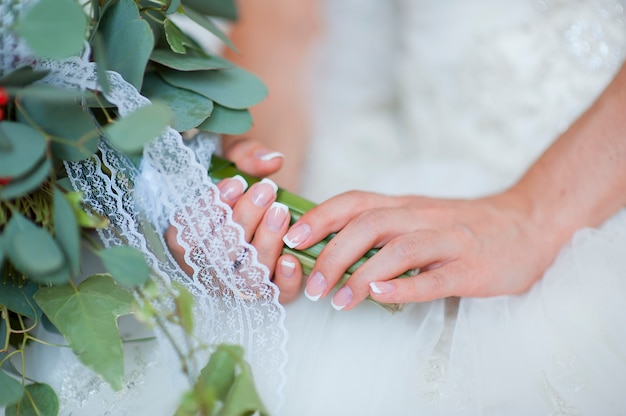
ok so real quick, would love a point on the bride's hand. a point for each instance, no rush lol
(481, 247)
(263, 220)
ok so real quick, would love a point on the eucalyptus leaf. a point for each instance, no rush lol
(19, 299)
(218, 8)
(132, 38)
(126, 264)
(11, 390)
(26, 147)
(32, 250)
(26, 183)
(49, 93)
(39, 399)
(173, 6)
(73, 131)
(190, 61)
(22, 76)
(66, 230)
(54, 28)
(208, 24)
(100, 56)
(132, 132)
(227, 121)
(233, 88)
(87, 317)
(190, 109)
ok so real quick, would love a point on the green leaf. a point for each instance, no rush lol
(26, 183)
(22, 76)
(219, 374)
(39, 400)
(126, 264)
(208, 24)
(184, 307)
(190, 109)
(190, 61)
(11, 390)
(26, 146)
(74, 132)
(54, 28)
(87, 317)
(131, 133)
(173, 7)
(227, 121)
(19, 299)
(66, 230)
(48, 93)
(33, 251)
(130, 41)
(243, 398)
(176, 38)
(99, 55)
(218, 8)
(232, 88)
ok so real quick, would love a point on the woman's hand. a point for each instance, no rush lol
(481, 247)
(264, 221)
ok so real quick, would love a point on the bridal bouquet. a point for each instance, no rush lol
(51, 123)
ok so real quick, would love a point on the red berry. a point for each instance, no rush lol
(1, 114)
(4, 97)
(5, 181)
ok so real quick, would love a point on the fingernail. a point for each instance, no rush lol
(264, 192)
(233, 188)
(341, 298)
(315, 287)
(297, 235)
(266, 155)
(287, 268)
(276, 216)
(381, 287)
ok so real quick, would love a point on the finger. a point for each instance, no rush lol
(177, 251)
(267, 237)
(288, 278)
(406, 252)
(231, 189)
(433, 284)
(331, 216)
(250, 208)
(368, 230)
(252, 157)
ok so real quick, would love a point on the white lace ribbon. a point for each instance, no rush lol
(235, 301)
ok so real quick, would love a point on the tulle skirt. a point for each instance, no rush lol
(555, 350)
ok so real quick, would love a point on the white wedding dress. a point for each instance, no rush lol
(457, 98)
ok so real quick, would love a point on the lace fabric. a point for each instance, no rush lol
(235, 302)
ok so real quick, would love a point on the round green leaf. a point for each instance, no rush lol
(41, 400)
(27, 182)
(72, 127)
(22, 76)
(190, 61)
(190, 109)
(22, 149)
(19, 299)
(233, 88)
(227, 121)
(54, 28)
(126, 264)
(11, 390)
(32, 250)
(132, 132)
(66, 230)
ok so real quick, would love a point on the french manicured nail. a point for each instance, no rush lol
(341, 298)
(233, 188)
(287, 267)
(296, 235)
(315, 286)
(266, 155)
(263, 192)
(381, 287)
(276, 216)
